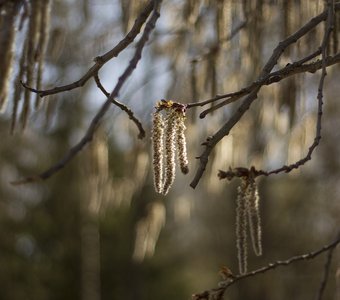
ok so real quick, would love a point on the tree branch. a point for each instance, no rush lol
(100, 114)
(103, 59)
(274, 77)
(326, 273)
(218, 293)
(225, 129)
(322, 64)
(123, 107)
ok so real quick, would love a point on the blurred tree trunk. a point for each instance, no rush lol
(95, 177)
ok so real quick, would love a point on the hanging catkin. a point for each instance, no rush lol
(247, 212)
(254, 216)
(181, 143)
(241, 227)
(170, 151)
(167, 136)
(158, 148)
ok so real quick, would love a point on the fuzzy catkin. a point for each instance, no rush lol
(181, 144)
(170, 151)
(158, 148)
(254, 217)
(168, 138)
(241, 227)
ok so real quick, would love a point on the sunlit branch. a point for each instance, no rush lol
(100, 114)
(288, 168)
(224, 285)
(274, 77)
(289, 70)
(212, 141)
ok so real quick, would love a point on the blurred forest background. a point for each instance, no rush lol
(97, 230)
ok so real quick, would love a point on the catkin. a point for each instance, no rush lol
(241, 227)
(166, 136)
(254, 217)
(158, 148)
(170, 151)
(181, 144)
(247, 211)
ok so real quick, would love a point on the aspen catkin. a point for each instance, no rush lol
(166, 136)
(254, 217)
(181, 143)
(170, 151)
(158, 147)
(241, 226)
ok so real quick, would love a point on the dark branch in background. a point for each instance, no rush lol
(215, 48)
(100, 114)
(212, 141)
(239, 172)
(217, 293)
(123, 107)
(206, 55)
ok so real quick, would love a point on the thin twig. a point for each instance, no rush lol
(123, 107)
(225, 129)
(287, 71)
(326, 273)
(100, 114)
(224, 285)
(325, 43)
(100, 61)
(274, 77)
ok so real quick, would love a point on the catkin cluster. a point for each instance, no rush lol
(247, 212)
(168, 135)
